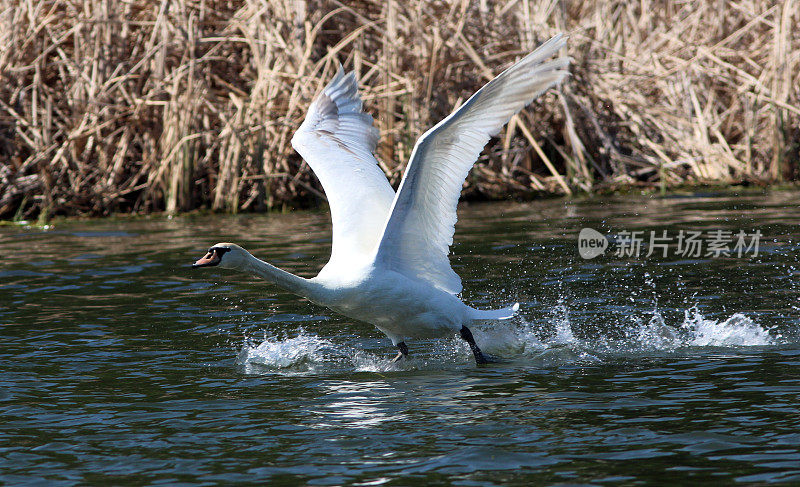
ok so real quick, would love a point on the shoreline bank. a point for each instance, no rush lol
(139, 107)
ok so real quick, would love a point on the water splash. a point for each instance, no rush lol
(308, 353)
(368, 362)
(555, 341)
(738, 330)
(560, 340)
(696, 330)
(564, 334)
(300, 353)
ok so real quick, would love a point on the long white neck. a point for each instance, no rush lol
(286, 280)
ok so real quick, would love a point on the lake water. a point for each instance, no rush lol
(121, 365)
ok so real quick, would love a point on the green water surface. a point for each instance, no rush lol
(121, 365)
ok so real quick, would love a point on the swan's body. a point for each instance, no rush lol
(389, 262)
(378, 296)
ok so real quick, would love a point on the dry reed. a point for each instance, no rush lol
(133, 106)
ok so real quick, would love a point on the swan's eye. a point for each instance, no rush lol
(219, 251)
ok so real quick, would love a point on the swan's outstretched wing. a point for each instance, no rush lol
(420, 229)
(337, 140)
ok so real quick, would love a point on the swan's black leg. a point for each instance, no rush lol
(403, 353)
(467, 335)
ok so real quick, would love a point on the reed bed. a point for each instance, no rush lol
(134, 106)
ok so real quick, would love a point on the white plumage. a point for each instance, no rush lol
(389, 262)
(337, 140)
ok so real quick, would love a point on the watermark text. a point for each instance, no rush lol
(690, 244)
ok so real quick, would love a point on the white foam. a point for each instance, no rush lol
(736, 331)
(564, 334)
(655, 334)
(302, 350)
(555, 341)
(308, 353)
(507, 338)
(696, 330)
(367, 362)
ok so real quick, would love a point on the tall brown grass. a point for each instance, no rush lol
(134, 106)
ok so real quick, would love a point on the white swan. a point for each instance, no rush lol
(389, 264)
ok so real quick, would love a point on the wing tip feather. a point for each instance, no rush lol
(337, 115)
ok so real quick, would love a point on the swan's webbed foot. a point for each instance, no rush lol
(480, 358)
(403, 353)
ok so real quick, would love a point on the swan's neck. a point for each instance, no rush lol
(286, 280)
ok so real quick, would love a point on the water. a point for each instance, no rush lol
(120, 365)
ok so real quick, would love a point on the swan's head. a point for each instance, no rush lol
(225, 255)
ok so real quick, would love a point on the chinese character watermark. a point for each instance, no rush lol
(691, 244)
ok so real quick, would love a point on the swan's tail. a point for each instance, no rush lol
(495, 314)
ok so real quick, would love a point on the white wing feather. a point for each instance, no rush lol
(337, 140)
(420, 228)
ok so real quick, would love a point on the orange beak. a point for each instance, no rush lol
(209, 260)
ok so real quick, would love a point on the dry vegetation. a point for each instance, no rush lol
(136, 106)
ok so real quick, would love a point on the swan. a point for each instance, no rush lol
(389, 262)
